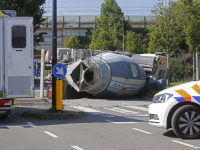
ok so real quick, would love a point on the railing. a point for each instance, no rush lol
(91, 21)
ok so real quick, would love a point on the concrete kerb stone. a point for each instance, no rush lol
(37, 108)
(42, 112)
(32, 101)
(64, 115)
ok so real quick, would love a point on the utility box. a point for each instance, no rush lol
(16, 57)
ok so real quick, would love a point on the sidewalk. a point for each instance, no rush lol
(86, 102)
(38, 107)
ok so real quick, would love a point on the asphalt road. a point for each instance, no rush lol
(109, 125)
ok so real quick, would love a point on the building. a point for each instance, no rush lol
(78, 25)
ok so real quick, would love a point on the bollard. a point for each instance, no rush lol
(58, 94)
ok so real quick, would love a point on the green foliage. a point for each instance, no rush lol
(189, 12)
(103, 41)
(145, 37)
(27, 8)
(73, 43)
(155, 40)
(143, 31)
(46, 72)
(110, 26)
(151, 93)
(134, 43)
(181, 50)
(85, 40)
(166, 34)
(180, 69)
(176, 83)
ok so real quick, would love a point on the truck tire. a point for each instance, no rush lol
(186, 122)
(3, 116)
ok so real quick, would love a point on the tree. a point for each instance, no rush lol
(85, 40)
(180, 70)
(192, 25)
(73, 43)
(110, 24)
(166, 34)
(135, 43)
(189, 18)
(101, 40)
(31, 8)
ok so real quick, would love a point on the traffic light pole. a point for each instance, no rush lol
(54, 50)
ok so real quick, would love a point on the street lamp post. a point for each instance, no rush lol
(54, 50)
(197, 59)
(123, 34)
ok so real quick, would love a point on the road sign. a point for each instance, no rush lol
(37, 73)
(59, 70)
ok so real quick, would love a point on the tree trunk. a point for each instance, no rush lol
(193, 67)
(168, 69)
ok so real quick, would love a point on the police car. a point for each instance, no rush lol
(178, 107)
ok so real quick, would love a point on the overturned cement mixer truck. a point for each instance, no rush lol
(107, 74)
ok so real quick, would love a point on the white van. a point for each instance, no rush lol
(16, 61)
(178, 107)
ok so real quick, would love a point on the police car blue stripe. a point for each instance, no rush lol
(180, 99)
(197, 98)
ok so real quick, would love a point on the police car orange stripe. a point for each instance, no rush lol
(184, 95)
(196, 88)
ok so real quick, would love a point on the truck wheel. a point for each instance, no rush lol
(186, 122)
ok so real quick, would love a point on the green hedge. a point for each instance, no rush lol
(180, 70)
(175, 83)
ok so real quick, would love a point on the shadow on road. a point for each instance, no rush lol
(171, 134)
(36, 118)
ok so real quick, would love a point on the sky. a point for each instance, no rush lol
(93, 7)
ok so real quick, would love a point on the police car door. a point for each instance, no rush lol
(19, 57)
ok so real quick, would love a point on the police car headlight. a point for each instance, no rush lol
(162, 97)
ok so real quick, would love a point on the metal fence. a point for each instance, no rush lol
(91, 21)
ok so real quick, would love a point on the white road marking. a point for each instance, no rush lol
(29, 124)
(77, 148)
(49, 133)
(142, 131)
(119, 122)
(32, 125)
(138, 108)
(124, 111)
(89, 110)
(189, 145)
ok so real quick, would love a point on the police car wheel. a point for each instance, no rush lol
(186, 122)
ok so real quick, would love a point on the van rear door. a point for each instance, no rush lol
(19, 57)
